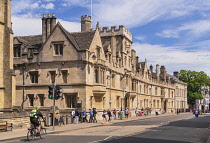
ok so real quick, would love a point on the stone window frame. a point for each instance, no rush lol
(72, 98)
(31, 100)
(41, 102)
(17, 51)
(67, 73)
(34, 77)
(60, 51)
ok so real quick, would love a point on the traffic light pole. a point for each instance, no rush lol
(54, 85)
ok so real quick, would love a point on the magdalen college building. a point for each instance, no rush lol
(96, 68)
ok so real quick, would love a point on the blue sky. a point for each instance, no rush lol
(174, 33)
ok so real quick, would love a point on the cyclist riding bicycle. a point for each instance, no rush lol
(34, 119)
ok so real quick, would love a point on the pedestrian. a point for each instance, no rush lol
(85, 116)
(177, 111)
(72, 116)
(109, 115)
(120, 113)
(104, 116)
(57, 117)
(61, 122)
(137, 112)
(156, 112)
(94, 115)
(126, 113)
(77, 115)
(114, 113)
(91, 115)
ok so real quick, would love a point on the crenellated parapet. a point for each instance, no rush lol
(105, 31)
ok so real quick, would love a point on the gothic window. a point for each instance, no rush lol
(155, 90)
(64, 76)
(17, 51)
(98, 53)
(41, 99)
(113, 80)
(34, 77)
(31, 99)
(52, 76)
(58, 48)
(118, 102)
(162, 91)
(96, 76)
(102, 76)
(71, 101)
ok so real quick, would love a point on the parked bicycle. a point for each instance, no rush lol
(32, 132)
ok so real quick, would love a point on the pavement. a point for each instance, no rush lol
(21, 133)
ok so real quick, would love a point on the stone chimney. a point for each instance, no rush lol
(157, 72)
(86, 23)
(151, 68)
(48, 23)
(176, 74)
(52, 22)
(163, 73)
(44, 27)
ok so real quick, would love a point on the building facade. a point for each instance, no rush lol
(7, 79)
(95, 68)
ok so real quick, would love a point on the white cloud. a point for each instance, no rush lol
(29, 25)
(193, 29)
(141, 38)
(48, 6)
(176, 58)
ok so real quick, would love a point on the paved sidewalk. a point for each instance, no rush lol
(21, 133)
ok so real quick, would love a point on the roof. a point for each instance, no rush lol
(83, 39)
(35, 40)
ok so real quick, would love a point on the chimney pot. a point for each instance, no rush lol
(48, 15)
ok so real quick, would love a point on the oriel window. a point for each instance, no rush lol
(96, 76)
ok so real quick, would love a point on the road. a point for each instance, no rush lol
(183, 128)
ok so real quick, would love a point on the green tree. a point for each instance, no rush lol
(195, 80)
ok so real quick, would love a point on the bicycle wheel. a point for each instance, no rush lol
(30, 135)
(42, 133)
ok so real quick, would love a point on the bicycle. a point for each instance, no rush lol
(32, 133)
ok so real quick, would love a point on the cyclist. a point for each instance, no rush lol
(34, 119)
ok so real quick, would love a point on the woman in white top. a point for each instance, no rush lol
(104, 115)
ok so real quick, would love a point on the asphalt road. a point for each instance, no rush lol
(183, 128)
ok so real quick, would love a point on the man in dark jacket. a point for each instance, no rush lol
(34, 118)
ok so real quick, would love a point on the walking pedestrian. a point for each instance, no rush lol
(109, 115)
(121, 114)
(91, 116)
(94, 115)
(104, 116)
(126, 113)
(85, 116)
(72, 116)
(137, 112)
(77, 114)
(114, 113)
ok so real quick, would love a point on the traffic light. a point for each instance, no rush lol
(50, 92)
(57, 92)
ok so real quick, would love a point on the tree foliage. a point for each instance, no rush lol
(195, 80)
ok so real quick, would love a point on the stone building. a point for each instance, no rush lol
(7, 80)
(95, 68)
